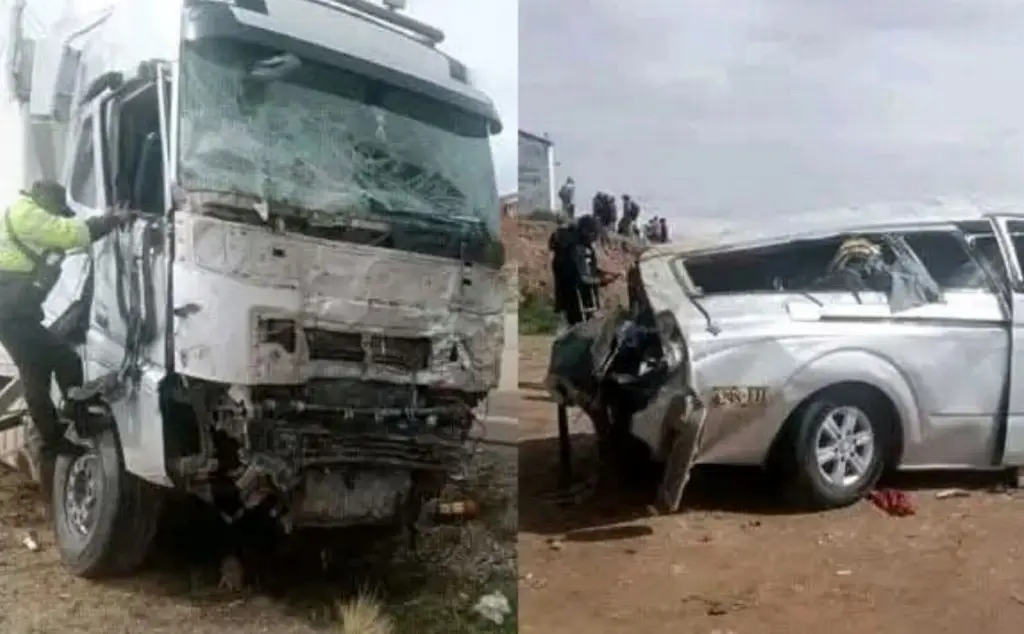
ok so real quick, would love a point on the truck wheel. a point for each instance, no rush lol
(841, 444)
(105, 518)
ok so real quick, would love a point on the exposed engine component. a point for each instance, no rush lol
(312, 460)
(360, 497)
(409, 353)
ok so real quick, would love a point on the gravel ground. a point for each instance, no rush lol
(433, 589)
(739, 561)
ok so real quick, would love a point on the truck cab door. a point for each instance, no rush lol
(83, 178)
(1009, 232)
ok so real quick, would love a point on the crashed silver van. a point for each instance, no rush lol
(886, 336)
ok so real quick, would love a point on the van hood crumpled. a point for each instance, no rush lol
(626, 374)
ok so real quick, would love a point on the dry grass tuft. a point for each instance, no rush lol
(363, 614)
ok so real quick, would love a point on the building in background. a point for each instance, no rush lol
(536, 173)
(510, 205)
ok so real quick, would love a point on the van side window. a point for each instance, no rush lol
(1016, 229)
(854, 263)
(946, 259)
(799, 265)
(82, 187)
(986, 248)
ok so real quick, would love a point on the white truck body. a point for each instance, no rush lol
(319, 266)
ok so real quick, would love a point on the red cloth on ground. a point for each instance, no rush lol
(893, 502)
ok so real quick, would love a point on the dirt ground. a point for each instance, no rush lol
(739, 561)
(430, 591)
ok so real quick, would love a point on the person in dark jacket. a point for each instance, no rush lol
(567, 196)
(604, 211)
(36, 231)
(630, 217)
(577, 277)
(597, 206)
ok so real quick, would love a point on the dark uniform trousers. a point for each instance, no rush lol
(40, 355)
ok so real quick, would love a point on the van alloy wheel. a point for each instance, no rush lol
(838, 446)
(845, 446)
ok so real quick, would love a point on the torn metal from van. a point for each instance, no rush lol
(870, 338)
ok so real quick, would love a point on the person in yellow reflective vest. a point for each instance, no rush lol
(36, 231)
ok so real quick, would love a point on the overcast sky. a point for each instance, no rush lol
(748, 107)
(483, 34)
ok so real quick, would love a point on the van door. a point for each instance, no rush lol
(677, 414)
(1010, 234)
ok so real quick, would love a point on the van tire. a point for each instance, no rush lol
(861, 453)
(124, 517)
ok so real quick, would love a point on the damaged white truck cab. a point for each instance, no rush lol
(886, 336)
(309, 308)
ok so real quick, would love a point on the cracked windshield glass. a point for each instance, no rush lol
(330, 143)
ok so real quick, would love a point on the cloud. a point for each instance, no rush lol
(750, 107)
(485, 37)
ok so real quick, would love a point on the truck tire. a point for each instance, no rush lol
(840, 446)
(104, 517)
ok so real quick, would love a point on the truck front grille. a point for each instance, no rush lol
(407, 353)
(307, 448)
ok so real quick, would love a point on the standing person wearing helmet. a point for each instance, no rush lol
(36, 231)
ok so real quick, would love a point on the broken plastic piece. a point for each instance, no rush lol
(494, 607)
(456, 511)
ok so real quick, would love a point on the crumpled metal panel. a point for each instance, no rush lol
(237, 276)
(335, 498)
(618, 371)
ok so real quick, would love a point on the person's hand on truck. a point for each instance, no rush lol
(122, 215)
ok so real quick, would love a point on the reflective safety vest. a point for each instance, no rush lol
(37, 234)
(32, 246)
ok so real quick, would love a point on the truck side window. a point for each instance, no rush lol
(138, 119)
(82, 188)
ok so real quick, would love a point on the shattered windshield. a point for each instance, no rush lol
(330, 142)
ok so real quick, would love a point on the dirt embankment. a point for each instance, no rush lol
(526, 242)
